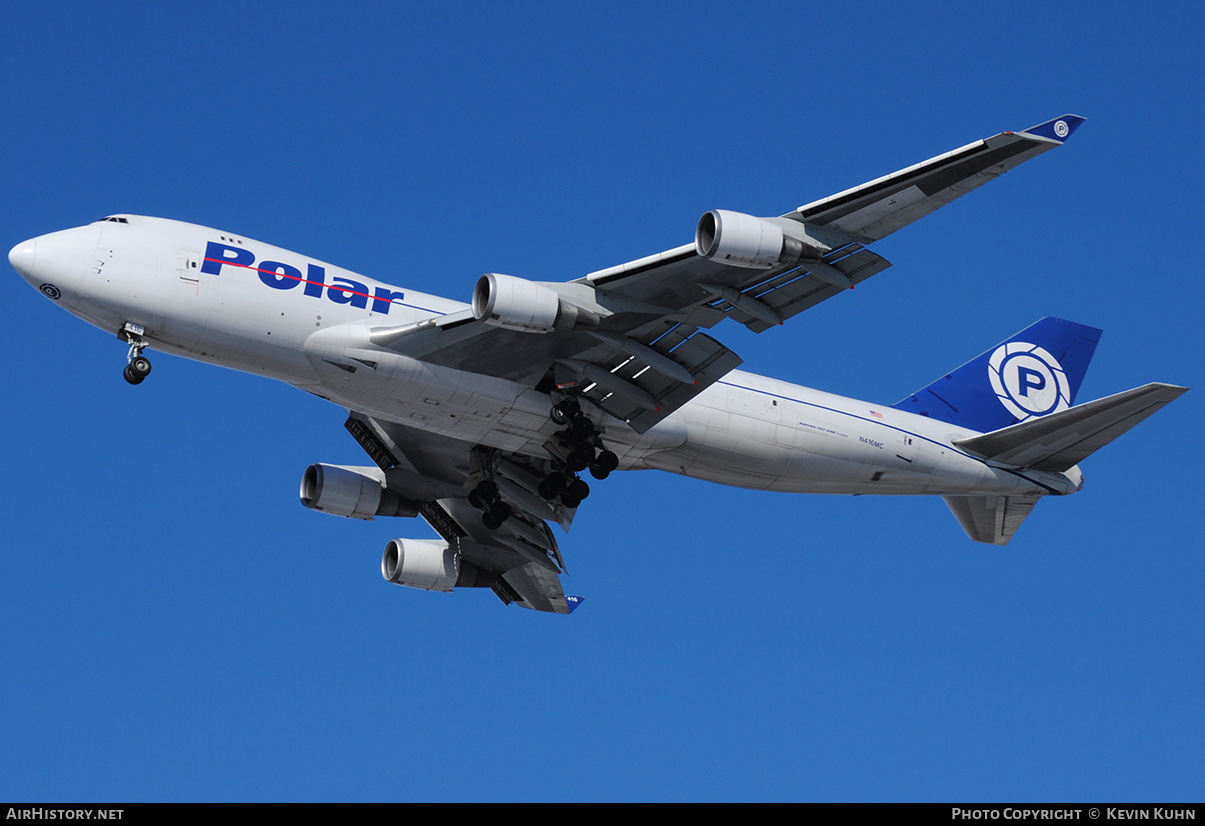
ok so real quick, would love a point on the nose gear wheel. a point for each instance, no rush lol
(138, 366)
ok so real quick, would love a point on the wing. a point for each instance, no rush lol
(629, 338)
(520, 559)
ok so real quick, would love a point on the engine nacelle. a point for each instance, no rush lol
(355, 492)
(421, 563)
(431, 565)
(519, 304)
(747, 241)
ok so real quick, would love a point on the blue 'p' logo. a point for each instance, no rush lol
(1029, 379)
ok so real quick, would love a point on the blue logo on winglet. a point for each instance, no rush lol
(1058, 129)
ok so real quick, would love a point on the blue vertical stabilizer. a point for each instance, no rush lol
(1037, 371)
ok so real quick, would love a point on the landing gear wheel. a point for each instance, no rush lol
(132, 377)
(140, 366)
(498, 512)
(564, 410)
(606, 461)
(598, 473)
(551, 486)
(486, 492)
(581, 428)
(580, 458)
(578, 489)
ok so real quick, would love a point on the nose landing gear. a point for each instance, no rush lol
(138, 366)
(137, 370)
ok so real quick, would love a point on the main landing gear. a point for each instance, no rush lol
(574, 449)
(494, 511)
(138, 366)
(583, 449)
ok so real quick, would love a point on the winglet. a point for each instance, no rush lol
(573, 600)
(1057, 130)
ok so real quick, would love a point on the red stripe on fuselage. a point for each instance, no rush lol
(278, 274)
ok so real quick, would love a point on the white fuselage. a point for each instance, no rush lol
(274, 312)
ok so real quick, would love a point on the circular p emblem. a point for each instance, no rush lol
(1028, 380)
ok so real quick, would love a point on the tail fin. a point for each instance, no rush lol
(1037, 371)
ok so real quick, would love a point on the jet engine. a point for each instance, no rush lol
(355, 492)
(431, 565)
(519, 304)
(757, 243)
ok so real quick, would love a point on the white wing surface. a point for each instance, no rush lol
(630, 337)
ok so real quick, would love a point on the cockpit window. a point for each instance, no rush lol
(117, 219)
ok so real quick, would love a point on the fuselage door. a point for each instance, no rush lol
(188, 267)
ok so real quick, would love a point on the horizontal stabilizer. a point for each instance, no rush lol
(991, 519)
(1059, 441)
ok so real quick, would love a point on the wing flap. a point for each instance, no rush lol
(538, 588)
(1059, 441)
(790, 293)
(634, 391)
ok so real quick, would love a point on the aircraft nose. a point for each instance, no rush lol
(56, 263)
(22, 257)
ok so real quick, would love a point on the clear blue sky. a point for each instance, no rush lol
(176, 626)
